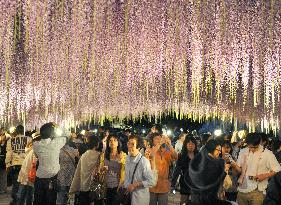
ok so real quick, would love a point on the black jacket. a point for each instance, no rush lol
(3, 156)
(273, 192)
(207, 197)
(181, 170)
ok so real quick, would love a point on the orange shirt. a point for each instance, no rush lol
(163, 161)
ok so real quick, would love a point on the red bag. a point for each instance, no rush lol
(32, 172)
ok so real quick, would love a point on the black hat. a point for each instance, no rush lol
(205, 172)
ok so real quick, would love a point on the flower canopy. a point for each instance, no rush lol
(74, 60)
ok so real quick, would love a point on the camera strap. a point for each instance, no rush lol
(135, 170)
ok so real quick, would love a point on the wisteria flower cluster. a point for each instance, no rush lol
(70, 61)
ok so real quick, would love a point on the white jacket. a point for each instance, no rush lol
(26, 166)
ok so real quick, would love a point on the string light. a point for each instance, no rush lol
(76, 60)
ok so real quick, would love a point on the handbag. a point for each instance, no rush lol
(32, 172)
(98, 185)
(227, 183)
(123, 196)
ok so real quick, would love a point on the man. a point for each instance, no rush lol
(47, 151)
(15, 156)
(125, 139)
(256, 165)
(161, 155)
(154, 129)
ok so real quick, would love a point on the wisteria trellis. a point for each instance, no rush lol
(72, 60)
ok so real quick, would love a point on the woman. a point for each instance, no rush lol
(114, 160)
(138, 183)
(164, 154)
(68, 156)
(207, 172)
(230, 192)
(87, 165)
(189, 150)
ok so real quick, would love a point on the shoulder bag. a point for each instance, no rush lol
(98, 184)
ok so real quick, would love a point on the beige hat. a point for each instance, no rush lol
(35, 135)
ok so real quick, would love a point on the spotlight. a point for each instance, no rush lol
(83, 132)
(143, 131)
(58, 132)
(95, 130)
(169, 132)
(242, 134)
(12, 129)
(218, 132)
(181, 129)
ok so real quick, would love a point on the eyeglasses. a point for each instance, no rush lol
(219, 150)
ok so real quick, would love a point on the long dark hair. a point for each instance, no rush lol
(108, 149)
(188, 138)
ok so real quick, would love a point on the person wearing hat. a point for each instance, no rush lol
(47, 150)
(25, 192)
(206, 175)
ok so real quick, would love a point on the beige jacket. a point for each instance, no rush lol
(84, 171)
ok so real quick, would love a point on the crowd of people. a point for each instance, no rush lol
(53, 167)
